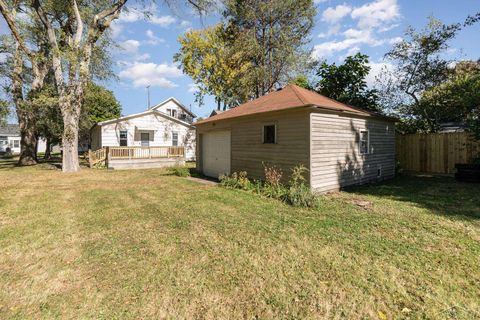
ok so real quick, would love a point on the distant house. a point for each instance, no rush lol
(339, 144)
(10, 138)
(166, 124)
(448, 127)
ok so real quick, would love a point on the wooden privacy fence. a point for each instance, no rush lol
(108, 153)
(435, 152)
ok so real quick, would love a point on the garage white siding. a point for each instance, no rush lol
(216, 153)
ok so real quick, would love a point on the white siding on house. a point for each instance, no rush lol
(335, 153)
(171, 104)
(10, 141)
(159, 128)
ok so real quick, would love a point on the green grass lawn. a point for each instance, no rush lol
(146, 244)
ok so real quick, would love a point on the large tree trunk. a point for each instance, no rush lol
(28, 142)
(71, 114)
(48, 146)
(28, 139)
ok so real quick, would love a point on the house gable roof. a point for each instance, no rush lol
(290, 97)
(155, 107)
(141, 114)
(10, 130)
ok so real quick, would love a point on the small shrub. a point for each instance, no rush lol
(297, 193)
(300, 196)
(180, 171)
(273, 175)
(236, 181)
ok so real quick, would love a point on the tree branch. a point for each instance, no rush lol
(78, 17)
(7, 14)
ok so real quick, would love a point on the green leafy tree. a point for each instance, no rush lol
(301, 81)
(419, 65)
(457, 99)
(271, 35)
(207, 58)
(346, 82)
(4, 112)
(258, 46)
(99, 104)
(25, 68)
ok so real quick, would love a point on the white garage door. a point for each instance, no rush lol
(216, 153)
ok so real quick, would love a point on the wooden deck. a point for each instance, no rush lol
(137, 157)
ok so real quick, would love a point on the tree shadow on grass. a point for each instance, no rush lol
(441, 195)
(12, 164)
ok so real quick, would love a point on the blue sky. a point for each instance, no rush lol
(341, 28)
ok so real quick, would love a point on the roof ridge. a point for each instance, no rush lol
(296, 92)
(359, 109)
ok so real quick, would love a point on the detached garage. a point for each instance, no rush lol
(341, 145)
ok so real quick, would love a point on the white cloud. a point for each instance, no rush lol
(333, 15)
(192, 88)
(319, 1)
(376, 69)
(130, 46)
(116, 29)
(152, 38)
(376, 13)
(135, 14)
(332, 31)
(142, 57)
(353, 39)
(131, 15)
(185, 24)
(372, 18)
(395, 40)
(163, 21)
(143, 74)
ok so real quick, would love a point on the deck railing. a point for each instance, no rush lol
(145, 152)
(96, 156)
(109, 153)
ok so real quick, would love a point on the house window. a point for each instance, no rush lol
(145, 139)
(174, 139)
(16, 143)
(123, 138)
(174, 113)
(270, 133)
(364, 141)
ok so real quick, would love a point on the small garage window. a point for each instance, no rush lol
(270, 133)
(364, 141)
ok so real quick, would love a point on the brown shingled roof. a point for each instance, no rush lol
(291, 96)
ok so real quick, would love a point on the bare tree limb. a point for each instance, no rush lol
(79, 31)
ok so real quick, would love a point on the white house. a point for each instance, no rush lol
(165, 124)
(10, 138)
